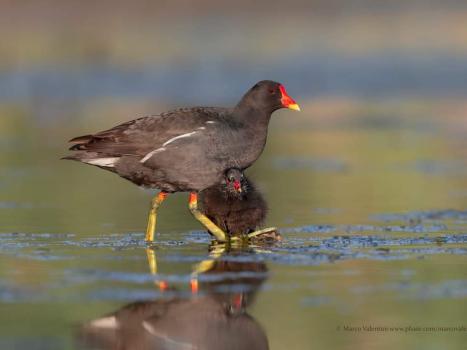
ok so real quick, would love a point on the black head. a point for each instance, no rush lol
(269, 96)
(234, 183)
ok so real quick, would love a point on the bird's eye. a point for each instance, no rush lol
(272, 91)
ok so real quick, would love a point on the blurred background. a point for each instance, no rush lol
(61, 54)
(382, 86)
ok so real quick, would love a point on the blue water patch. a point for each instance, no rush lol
(34, 342)
(439, 167)
(217, 80)
(307, 163)
(443, 214)
(450, 289)
(316, 301)
(15, 205)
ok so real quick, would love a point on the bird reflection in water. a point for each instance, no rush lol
(214, 316)
(222, 287)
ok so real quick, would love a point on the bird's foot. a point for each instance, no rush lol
(265, 231)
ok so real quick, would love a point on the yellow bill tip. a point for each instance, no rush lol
(294, 106)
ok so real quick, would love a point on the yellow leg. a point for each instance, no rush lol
(155, 203)
(216, 231)
(208, 264)
(205, 266)
(152, 261)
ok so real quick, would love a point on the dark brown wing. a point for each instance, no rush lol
(119, 140)
(139, 136)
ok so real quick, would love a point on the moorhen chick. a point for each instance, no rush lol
(186, 149)
(237, 207)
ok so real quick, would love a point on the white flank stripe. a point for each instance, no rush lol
(201, 128)
(148, 327)
(108, 162)
(179, 137)
(106, 322)
(167, 340)
(210, 122)
(150, 154)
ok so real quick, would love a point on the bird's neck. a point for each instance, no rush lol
(251, 115)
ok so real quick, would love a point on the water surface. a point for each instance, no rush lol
(370, 199)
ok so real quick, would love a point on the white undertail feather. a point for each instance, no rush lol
(106, 322)
(108, 162)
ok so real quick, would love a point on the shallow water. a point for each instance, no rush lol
(372, 209)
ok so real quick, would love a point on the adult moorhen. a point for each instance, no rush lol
(186, 149)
